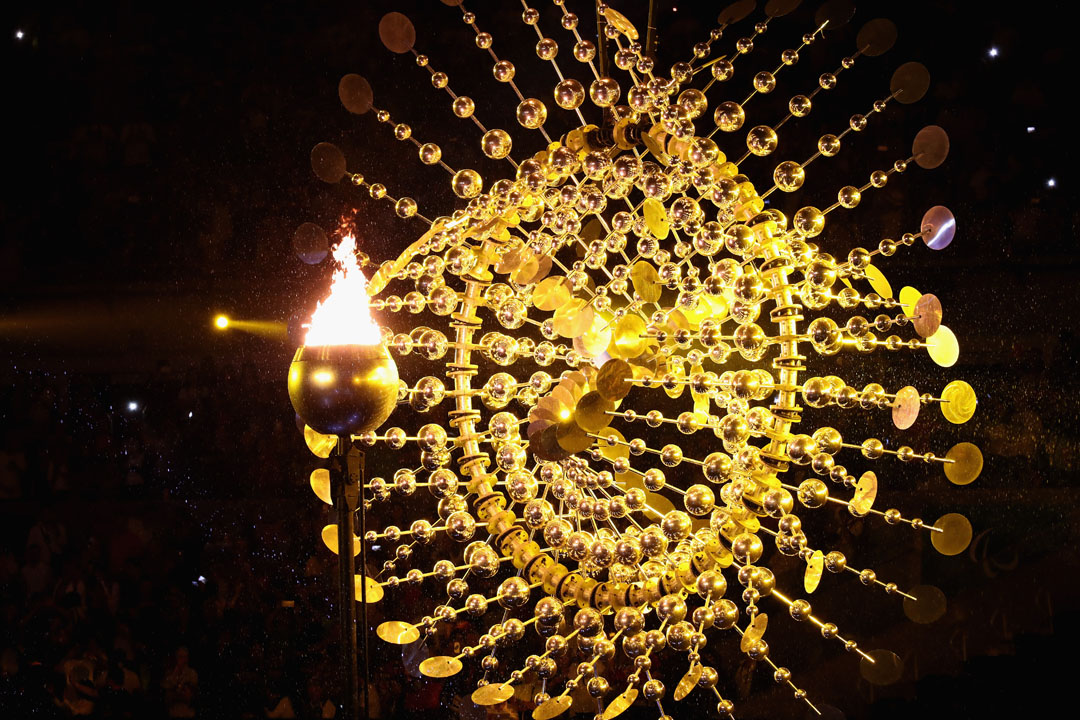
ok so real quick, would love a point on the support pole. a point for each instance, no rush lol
(345, 495)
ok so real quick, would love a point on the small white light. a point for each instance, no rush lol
(133, 406)
(190, 414)
(993, 52)
(19, 34)
(1031, 128)
(1051, 183)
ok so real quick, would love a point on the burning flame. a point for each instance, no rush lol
(344, 318)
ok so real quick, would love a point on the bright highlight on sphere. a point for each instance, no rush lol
(221, 322)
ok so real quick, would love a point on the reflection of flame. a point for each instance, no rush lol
(344, 318)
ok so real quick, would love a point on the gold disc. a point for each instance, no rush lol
(551, 293)
(440, 666)
(573, 318)
(886, 668)
(656, 218)
(329, 538)
(320, 445)
(689, 680)
(613, 450)
(646, 281)
(943, 348)
(929, 604)
(878, 281)
(908, 297)
(592, 410)
(865, 493)
(620, 23)
(959, 402)
(755, 631)
(812, 575)
(955, 534)
(627, 341)
(398, 632)
(968, 463)
(320, 483)
(927, 318)
(619, 705)
(612, 377)
(374, 589)
(572, 438)
(552, 707)
(493, 694)
(596, 339)
(906, 407)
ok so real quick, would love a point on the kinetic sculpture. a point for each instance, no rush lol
(627, 347)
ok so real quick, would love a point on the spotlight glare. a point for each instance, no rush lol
(19, 34)
(221, 322)
(993, 52)
(1051, 183)
(132, 406)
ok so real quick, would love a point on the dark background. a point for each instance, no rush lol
(156, 168)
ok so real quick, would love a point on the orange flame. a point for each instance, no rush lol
(344, 318)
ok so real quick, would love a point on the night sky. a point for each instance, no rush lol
(157, 166)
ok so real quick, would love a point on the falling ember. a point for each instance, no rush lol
(344, 318)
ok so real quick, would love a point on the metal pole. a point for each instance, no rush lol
(345, 495)
(355, 462)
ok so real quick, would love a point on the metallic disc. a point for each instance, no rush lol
(943, 347)
(837, 12)
(878, 281)
(865, 493)
(620, 23)
(910, 82)
(955, 534)
(374, 589)
(571, 437)
(552, 707)
(780, 8)
(440, 666)
(320, 483)
(627, 342)
(620, 704)
(551, 293)
(735, 12)
(310, 244)
(755, 631)
(812, 575)
(927, 317)
(355, 93)
(689, 680)
(938, 227)
(886, 668)
(906, 407)
(930, 147)
(967, 463)
(329, 538)
(320, 445)
(573, 318)
(398, 632)
(397, 32)
(493, 694)
(614, 450)
(592, 411)
(612, 377)
(646, 281)
(959, 402)
(546, 444)
(876, 37)
(908, 297)
(328, 162)
(929, 604)
(656, 218)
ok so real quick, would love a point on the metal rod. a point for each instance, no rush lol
(345, 494)
(357, 477)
